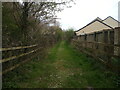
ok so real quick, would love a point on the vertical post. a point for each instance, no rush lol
(1, 44)
(85, 40)
(94, 44)
(103, 40)
(117, 41)
(78, 38)
(105, 48)
(109, 49)
(110, 41)
(94, 41)
(109, 38)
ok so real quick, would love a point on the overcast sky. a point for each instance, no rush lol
(84, 11)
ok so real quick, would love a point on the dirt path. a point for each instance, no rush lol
(63, 66)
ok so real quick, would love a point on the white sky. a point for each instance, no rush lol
(84, 11)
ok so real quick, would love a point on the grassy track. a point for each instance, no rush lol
(64, 67)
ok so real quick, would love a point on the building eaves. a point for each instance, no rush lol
(93, 22)
(112, 18)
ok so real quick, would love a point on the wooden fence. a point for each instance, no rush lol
(16, 56)
(103, 45)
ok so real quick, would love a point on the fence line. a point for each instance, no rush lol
(17, 65)
(14, 48)
(103, 46)
(14, 57)
(96, 54)
(17, 56)
(98, 43)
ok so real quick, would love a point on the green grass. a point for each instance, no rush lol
(64, 67)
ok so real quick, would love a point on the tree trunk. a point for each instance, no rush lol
(25, 22)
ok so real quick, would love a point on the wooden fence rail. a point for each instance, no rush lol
(93, 44)
(14, 57)
(104, 56)
(14, 48)
(103, 45)
(4, 61)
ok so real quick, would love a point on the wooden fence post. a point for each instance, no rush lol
(0, 43)
(85, 39)
(94, 44)
(109, 38)
(117, 41)
(109, 49)
(110, 41)
(106, 40)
